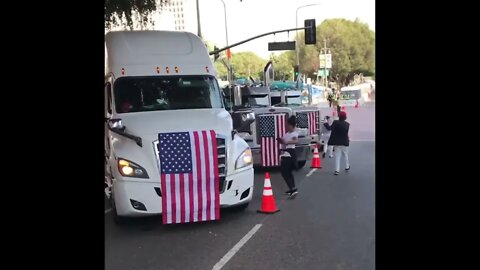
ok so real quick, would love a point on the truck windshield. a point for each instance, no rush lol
(157, 93)
(258, 101)
(294, 100)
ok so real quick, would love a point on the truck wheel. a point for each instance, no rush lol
(301, 164)
(241, 207)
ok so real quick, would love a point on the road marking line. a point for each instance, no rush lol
(108, 210)
(236, 248)
(311, 171)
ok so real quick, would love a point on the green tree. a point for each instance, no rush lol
(246, 64)
(220, 68)
(352, 45)
(283, 65)
(125, 12)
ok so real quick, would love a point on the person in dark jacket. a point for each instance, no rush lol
(339, 140)
(330, 99)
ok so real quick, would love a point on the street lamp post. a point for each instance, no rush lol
(226, 39)
(296, 26)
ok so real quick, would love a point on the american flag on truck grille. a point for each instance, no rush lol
(308, 120)
(272, 126)
(189, 176)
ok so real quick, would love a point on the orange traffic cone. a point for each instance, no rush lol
(356, 105)
(316, 161)
(268, 202)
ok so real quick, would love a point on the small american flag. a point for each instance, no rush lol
(271, 127)
(308, 120)
(189, 176)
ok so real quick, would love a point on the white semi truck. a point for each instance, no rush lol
(159, 82)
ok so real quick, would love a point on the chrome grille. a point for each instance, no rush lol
(222, 162)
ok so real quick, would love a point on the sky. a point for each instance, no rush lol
(253, 17)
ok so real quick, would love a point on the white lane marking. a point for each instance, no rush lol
(108, 210)
(236, 248)
(311, 172)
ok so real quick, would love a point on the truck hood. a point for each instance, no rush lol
(148, 124)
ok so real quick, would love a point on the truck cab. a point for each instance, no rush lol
(164, 82)
(308, 116)
(257, 98)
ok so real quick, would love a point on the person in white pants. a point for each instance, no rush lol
(340, 140)
(341, 150)
(327, 149)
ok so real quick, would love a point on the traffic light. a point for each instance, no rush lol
(310, 33)
(215, 56)
(296, 72)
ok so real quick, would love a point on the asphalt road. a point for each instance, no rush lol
(330, 225)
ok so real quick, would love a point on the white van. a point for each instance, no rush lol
(159, 82)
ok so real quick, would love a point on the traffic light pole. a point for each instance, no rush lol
(296, 25)
(255, 37)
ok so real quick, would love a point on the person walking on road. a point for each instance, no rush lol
(288, 156)
(330, 99)
(340, 141)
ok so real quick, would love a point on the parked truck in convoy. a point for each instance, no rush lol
(308, 116)
(257, 97)
(163, 82)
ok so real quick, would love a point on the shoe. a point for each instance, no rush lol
(287, 192)
(330, 156)
(347, 169)
(323, 155)
(336, 173)
(293, 194)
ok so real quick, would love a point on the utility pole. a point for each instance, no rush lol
(324, 53)
(199, 30)
(325, 70)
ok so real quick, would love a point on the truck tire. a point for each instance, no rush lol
(301, 164)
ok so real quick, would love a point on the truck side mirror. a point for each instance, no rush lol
(247, 119)
(116, 124)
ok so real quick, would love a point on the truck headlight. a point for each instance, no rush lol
(128, 168)
(244, 159)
